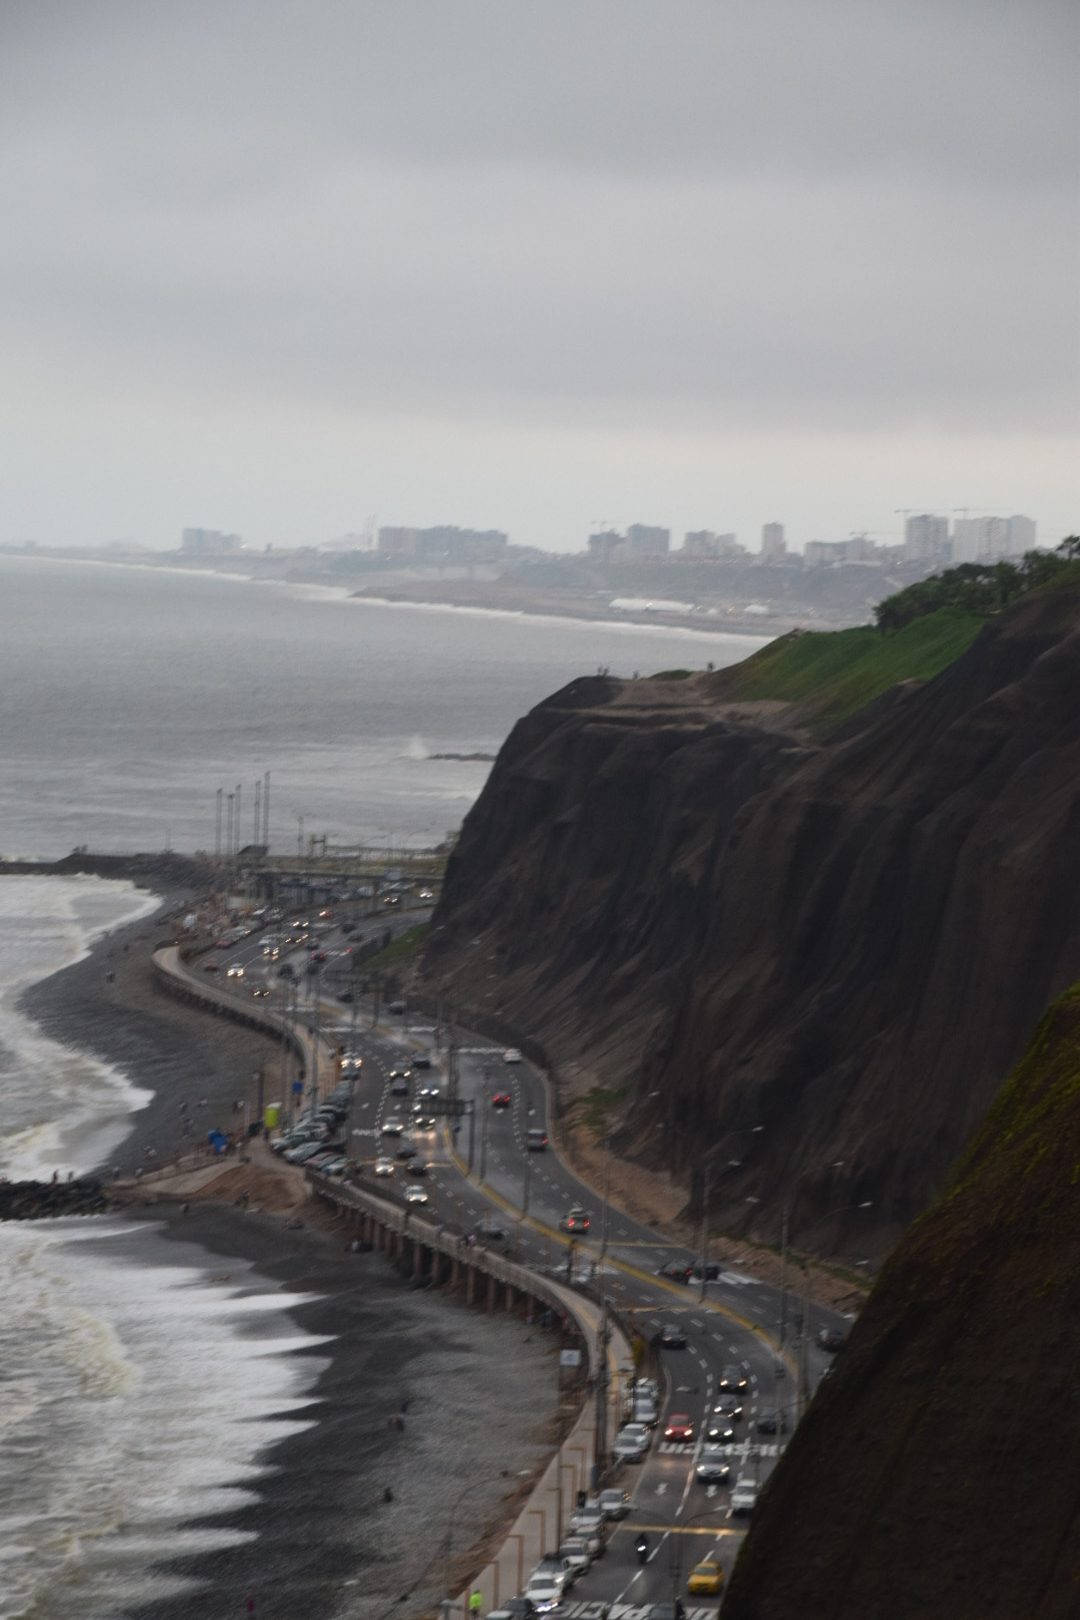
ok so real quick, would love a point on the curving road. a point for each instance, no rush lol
(526, 1195)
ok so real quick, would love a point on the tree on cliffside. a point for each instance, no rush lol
(981, 588)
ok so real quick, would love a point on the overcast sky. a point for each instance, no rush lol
(533, 264)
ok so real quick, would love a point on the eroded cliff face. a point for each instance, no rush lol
(845, 944)
(936, 1475)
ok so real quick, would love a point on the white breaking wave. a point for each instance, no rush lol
(62, 1109)
(130, 1401)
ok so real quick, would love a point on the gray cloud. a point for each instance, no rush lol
(830, 217)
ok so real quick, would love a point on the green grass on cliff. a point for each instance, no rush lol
(833, 674)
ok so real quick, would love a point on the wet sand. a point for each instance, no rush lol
(481, 1390)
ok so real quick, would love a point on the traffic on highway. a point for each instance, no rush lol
(445, 1122)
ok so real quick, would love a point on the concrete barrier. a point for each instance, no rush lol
(488, 1278)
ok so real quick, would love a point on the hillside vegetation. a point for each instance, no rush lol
(916, 1489)
(832, 674)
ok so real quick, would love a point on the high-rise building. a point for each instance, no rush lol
(926, 538)
(704, 543)
(604, 544)
(989, 538)
(1022, 534)
(773, 544)
(646, 540)
(208, 542)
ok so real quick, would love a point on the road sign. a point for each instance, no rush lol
(569, 1358)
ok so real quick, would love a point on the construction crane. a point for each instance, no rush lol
(964, 511)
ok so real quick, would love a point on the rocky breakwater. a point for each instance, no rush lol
(40, 1200)
(727, 924)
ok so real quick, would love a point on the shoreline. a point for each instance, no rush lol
(322, 1538)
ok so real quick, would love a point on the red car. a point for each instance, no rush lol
(501, 1099)
(679, 1427)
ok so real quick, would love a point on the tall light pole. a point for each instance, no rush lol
(732, 1164)
(804, 1347)
(785, 1232)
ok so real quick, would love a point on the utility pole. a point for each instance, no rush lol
(525, 1188)
(256, 831)
(237, 824)
(600, 1454)
(315, 1045)
(706, 1189)
(783, 1273)
(218, 806)
(483, 1146)
(229, 829)
(266, 812)
(472, 1131)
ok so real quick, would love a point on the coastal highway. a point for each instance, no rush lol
(527, 1195)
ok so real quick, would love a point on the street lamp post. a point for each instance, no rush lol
(732, 1164)
(804, 1347)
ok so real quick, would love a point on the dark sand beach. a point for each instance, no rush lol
(481, 1390)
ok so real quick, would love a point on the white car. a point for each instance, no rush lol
(384, 1167)
(511, 1055)
(645, 1412)
(744, 1495)
(613, 1503)
(545, 1592)
(415, 1195)
(631, 1443)
(587, 1521)
(647, 1387)
(575, 1552)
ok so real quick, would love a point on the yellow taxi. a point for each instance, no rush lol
(705, 1578)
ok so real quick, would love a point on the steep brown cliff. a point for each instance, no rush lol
(846, 944)
(936, 1475)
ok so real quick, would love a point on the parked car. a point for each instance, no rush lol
(587, 1520)
(576, 1553)
(631, 1443)
(545, 1592)
(614, 1503)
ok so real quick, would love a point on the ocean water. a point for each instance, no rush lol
(138, 1391)
(104, 1336)
(128, 696)
(134, 1396)
(62, 1109)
